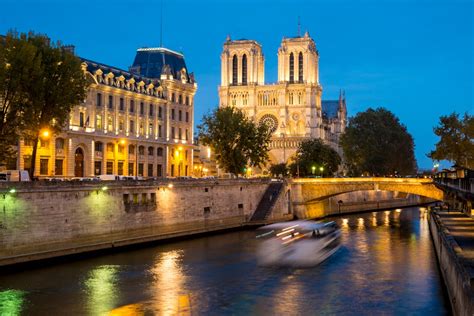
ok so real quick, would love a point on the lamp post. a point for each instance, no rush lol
(313, 168)
(321, 169)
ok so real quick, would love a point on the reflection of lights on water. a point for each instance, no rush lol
(387, 212)
(345, 221)
(169, 279)
(374, 214)
(101, 289)
(11, 302)
(374, 221)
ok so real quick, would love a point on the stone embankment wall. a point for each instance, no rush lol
(42, 220)
(455, 266)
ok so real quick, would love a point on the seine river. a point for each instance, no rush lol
(386, 265)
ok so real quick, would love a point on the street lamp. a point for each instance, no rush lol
(313, 168)
(45, 133)
(321, 169)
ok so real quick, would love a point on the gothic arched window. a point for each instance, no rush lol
(292, 68)
(244, 69)
(300, 67)
(234, 70)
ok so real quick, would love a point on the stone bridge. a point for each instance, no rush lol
(308, 193)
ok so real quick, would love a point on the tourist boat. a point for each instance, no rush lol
(297, 243)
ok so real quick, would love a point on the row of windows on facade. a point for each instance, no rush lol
(109, 168)
(235, 69)
(267, 98)
(131, 107)
(130, 85)
(85, 122)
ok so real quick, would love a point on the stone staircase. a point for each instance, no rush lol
(264, 207)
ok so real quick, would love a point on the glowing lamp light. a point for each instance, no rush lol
(104, 188)
(122, 142)
(45, 133)
(12, 191)
(170, 185)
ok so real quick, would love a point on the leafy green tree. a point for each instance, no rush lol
(456, 142)
(56, 86)
(376, 143)
(18, 63)
(279, 169)
(236, 140)
(312, 156)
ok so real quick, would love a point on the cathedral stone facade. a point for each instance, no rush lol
(291, 107)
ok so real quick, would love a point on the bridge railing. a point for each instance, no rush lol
(463, 184)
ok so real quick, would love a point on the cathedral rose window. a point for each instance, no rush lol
(270, 121)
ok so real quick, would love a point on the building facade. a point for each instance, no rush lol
(136, 122)
(292, 107)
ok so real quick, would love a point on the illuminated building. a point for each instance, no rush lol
(136, 122)
(292, 107)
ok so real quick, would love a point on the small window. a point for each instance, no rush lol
(132, 126)
(98, 146)
(187, 100)
(172, 114)
(241, 206)
(150, 110)
(126, 198)
(132, 106)
(207, 210)
(59, 143)
(180, 99)
(187, 116)
(111, 102)
(160, 112)
(206, 189)
(142, 108)
(151, 151)
(135, 198)
(122, 104)
(153, 197)
(99, 99)
(159, 152)
(180, 115)
(143, 198)
(81, 119)
(58, 167)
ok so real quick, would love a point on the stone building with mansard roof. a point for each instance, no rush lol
(291, 107)
(136, 122)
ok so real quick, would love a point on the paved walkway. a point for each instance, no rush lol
(461, 227)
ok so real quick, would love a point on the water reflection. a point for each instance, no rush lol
(386, 264)
(11, 302)
(168, 282)
(101, 289)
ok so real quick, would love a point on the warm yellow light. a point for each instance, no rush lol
(122, 142)
(321, 168)
(180, 148)
(170, 185)
(176, 153)
(44, 133)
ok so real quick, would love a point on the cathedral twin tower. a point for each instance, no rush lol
(292, 107)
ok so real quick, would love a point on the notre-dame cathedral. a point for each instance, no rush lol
(291, 107)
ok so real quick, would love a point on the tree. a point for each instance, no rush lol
(236, 140)
(280, 169)
(376, 143)
(18, 63)
(313, 157)
(456, 140)
(55, 87)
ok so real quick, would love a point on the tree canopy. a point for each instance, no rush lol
(456, 142)
(42, 82)
(313, 157)
(376, 143)
(236, 140)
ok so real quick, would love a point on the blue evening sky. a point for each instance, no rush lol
(413, 57)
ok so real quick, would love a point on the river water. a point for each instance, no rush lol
(386, 265)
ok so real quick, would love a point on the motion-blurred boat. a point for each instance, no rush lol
(297, 243)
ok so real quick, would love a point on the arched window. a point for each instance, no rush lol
(159, 152)
(131, 150)
(244, 69)
(292, 68)
(234, 70)
(141, 150)
(151, 151)
(98, 146)
(180, 99)
(300, 67)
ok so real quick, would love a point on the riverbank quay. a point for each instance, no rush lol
(453, 236)
(42, 220)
